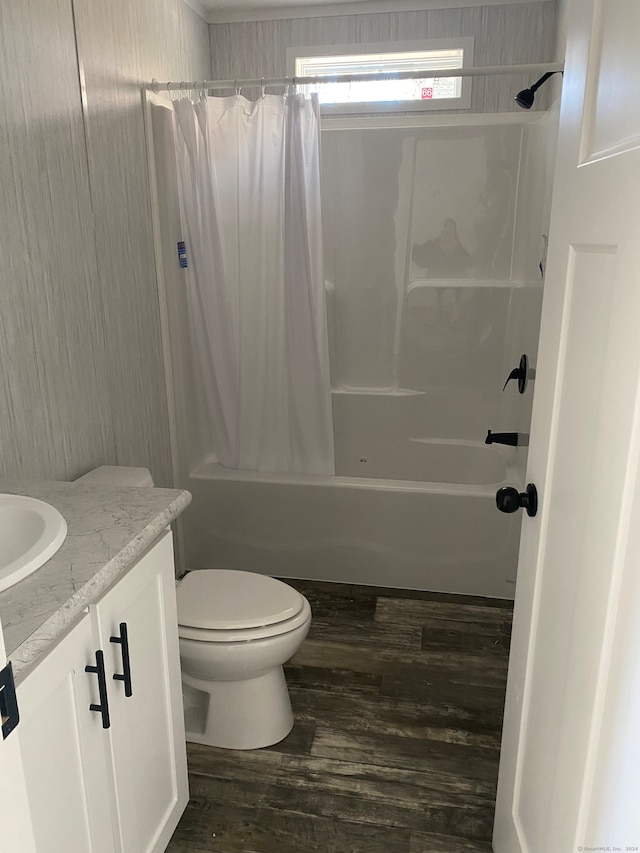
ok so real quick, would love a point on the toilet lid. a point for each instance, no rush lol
(218, 599)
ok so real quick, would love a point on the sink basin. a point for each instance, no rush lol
(31, 532)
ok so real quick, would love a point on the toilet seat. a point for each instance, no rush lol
(223, 606)
(243, 635)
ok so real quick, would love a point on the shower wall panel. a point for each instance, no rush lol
(433, 236)
(361, 193)
(419, 236)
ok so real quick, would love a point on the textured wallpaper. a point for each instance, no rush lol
(504, 35)
(122, 46)
(81, 375)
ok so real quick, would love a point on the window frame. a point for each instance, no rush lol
(465, 43)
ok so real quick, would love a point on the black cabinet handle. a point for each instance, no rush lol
(8, 701)
(103, 707)
(123, 640)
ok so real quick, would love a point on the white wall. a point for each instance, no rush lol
(504, 34)
(81, 380)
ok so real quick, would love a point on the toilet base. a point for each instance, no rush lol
(246, 714)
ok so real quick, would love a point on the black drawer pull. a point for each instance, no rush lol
(103, 707)
(8, 701)
(123, 640)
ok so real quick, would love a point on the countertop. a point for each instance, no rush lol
(108, 529)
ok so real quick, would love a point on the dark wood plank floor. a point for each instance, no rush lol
(398, 699)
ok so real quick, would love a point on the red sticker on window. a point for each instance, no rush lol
(427, 93)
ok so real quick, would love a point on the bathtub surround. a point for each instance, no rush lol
(398, 702)
(82, 381)
(419, 355)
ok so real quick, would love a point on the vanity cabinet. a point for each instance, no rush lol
(112, 779)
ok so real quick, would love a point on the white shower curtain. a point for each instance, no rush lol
(249, 181)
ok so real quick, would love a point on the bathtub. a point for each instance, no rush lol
(383, 528)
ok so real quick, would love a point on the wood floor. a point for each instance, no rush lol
(398, 700)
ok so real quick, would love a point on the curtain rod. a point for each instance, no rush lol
(486, 71)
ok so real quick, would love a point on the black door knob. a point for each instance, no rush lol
(509, 499)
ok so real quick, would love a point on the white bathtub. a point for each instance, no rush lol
(427, 460)
(384, 530)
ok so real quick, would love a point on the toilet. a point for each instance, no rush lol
(236, 631)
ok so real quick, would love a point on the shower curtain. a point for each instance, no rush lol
(249, 185)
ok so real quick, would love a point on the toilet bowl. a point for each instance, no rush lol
(236, 631)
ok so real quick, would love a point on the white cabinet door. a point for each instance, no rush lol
(16, 835)
(146, 740)
(62, 746)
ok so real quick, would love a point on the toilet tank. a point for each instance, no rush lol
(117, 475)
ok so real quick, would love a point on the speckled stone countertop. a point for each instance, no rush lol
(108, 529)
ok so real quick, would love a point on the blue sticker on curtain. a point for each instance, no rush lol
(182, 254)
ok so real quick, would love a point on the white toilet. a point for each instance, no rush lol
(236, 631)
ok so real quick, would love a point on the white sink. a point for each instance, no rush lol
(31, 532)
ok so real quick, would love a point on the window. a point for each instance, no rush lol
(423, 93)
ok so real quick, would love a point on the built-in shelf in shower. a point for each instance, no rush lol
(470, 283)
(377, 392)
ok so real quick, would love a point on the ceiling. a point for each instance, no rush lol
(221, 11)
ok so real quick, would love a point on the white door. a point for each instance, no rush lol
(571, 741)
(16, 835)
(146, 739)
